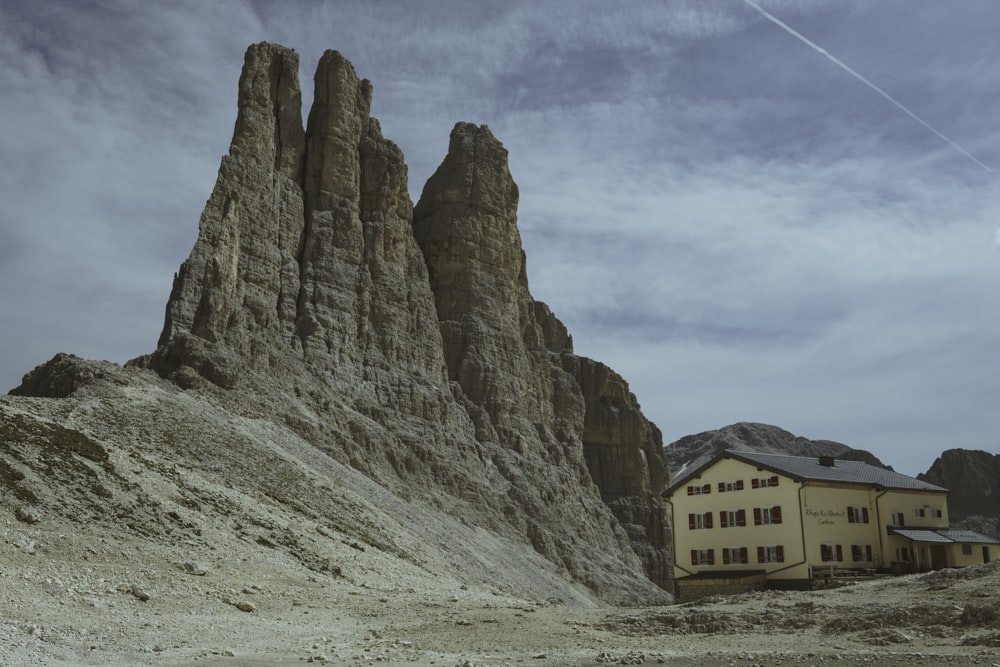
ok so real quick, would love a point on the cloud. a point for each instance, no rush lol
(728, 220)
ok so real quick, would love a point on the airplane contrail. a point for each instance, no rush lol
(784, 26)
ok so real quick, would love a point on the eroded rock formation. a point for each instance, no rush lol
(405, 343)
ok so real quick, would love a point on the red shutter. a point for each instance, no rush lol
(773, 481)
(760, 555)
(691, 523)
(840, 554)
(708, 519)
(741, 518)
(694, 556)
(744, 555)
(723, 519)
(776, 514)
(781, 553)
(739, 485)
(755, 483)
(725, 556)
(722, 487)
(864, 515)
(711, 556)
(756, 516)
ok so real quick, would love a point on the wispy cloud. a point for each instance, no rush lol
(743, 235)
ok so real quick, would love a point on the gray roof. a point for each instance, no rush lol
(968, 536)
(918, 535)
(803, 468)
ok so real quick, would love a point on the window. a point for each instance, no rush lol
(937, 514)
(861, 553)
(703, 556)
(902, 553)
(920, 512)
(830, 553)
(857, 515)
(699, 489)
(732, 518)
(966, 549)
(700, 521)
(771, 554)
(764, 482)
(766, 516)
(735, 556)
(732, 485)
(897, 519)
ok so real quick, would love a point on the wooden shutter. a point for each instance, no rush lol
(694, 556)
(855, 552)
(760, 555)
(902, 521)
(744, 555)
(739, 485)
(864, 515)
(741, 518)
(691, 523)
(850, 515)
(868, 552)
(781, 553)
(776, 514)
(711, 556)
(722, 487)
(773, 481)
(824, 552)
(690, 490)
(708, 519)
(725, 556)
(755, 483)
(756, 516)
(840, 553)
(723, 519)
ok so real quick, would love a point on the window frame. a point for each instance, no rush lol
(858, 514)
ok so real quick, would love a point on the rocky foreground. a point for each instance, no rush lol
(79, 598)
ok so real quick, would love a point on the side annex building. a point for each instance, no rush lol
(783, 521)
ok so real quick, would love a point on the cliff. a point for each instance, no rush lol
(322, 324)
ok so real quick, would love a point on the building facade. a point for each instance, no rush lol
(794, 519)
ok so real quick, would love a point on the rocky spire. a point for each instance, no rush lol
(404, 342)
(513, 358)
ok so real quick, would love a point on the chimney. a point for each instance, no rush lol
(827, 461)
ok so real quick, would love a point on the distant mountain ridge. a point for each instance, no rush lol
(973, 479)
(694, 450)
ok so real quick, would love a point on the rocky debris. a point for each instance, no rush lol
(694, 450)
(26, 515)
(139, 593)
(195, 569)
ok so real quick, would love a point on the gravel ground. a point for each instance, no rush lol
(68, 598)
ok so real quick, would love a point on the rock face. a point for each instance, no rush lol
(404, 343)
(514, 360)
(693, 450)
(973, 480)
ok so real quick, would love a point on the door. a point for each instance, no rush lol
(986, 554)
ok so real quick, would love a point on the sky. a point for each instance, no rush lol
(717, 207)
